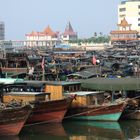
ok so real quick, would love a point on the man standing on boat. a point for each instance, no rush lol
(30, 72)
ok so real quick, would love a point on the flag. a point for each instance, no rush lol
(94, 60)
(43, 62)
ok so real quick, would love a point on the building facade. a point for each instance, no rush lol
(130, 10)
(2, 31)
(124, 33)
(46, 38)
(69, 34)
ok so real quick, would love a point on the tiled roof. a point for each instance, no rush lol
(124, 23)
(47, 31)
(69, 30)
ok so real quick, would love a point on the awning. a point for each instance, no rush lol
(112, 84)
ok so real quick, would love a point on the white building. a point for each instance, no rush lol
(68, 34)
(2, 31)
(130, 10)
(46, 38)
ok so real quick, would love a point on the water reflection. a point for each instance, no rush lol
(93, 130)
(44, 132)
(80, 130)
(131, 129)
(9, 138)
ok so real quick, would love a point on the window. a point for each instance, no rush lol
(138, 19)
(122, 9)
(139, 6)
(121, 16)
(139, 24)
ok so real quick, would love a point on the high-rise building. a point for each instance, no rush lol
(2, 31)
(130, 10)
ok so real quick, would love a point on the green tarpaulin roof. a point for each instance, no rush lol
(112, 84)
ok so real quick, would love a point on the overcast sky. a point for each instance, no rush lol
(86, 16)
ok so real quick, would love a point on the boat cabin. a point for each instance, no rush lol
(25, 96)
(38, 90)
(59, 88)
(23, 92)
(87, 98)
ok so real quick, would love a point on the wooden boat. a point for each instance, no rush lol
(13, 63)
(133, 114)
(12, 119)
(132, 110)
(49, 111)
(47, 107)
(92, 106)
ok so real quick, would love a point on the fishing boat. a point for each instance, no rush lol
(96, 106)
(132, 110)
(49, 111)
(44, 109)
(12, 119)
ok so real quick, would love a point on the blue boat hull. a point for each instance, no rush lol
(110, 112)
(106, 117)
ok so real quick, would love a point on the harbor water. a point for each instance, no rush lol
(80, 130)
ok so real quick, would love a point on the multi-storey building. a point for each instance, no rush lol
(130, 10)
(2, 31)
(69, 34)
(46, 38)
(124, 33)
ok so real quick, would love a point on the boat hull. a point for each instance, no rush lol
(12, 120)
(97, 113)
(49, 111)
(131, 114)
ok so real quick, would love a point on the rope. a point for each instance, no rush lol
(78, 114)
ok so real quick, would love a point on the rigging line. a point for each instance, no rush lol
(69, 116)
(78, 114)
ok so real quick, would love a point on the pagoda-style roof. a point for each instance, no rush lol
(69, 30)
(49, 31)
(124, 33)
(33, 33)
(124, 23)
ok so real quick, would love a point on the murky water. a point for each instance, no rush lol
(80, 130)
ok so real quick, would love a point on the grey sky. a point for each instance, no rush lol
(86, 16)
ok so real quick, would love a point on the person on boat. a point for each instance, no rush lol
(31, 72)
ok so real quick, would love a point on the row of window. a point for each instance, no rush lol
(124, 9)
(124, 36)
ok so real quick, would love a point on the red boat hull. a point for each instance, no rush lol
(49, 111)
(11, 128)
(12, 120)
(49, 117)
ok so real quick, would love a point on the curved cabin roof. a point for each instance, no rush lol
(112, 84)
